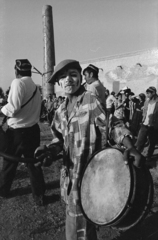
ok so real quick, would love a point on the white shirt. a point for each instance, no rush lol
(110, 101)
(98, 89)
(20, 92)
(150, 111)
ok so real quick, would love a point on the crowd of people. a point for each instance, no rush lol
(48, 107)
(139, 113)
(86, 120)
(124, 105)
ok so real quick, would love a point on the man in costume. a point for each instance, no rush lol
(79, 130)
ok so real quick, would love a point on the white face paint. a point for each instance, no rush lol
(70, 81)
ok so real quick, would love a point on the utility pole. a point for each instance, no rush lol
(48, 50)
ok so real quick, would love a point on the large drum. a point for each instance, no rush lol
(113, 193)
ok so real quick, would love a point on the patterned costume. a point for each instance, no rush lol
(80, 135)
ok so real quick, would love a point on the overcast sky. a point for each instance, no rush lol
(83, 29)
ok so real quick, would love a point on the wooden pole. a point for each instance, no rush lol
(48, 50)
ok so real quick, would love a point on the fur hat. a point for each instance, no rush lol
(23, 65)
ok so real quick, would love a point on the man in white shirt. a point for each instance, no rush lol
(94, 85)
(149, 126)
(110, 102)
(23, 112)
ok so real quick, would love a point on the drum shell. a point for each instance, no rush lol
(139, 199)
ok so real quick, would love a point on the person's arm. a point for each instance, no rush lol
(122, 136)
(15, 99)
(46, 154)
(101, 124)
(131, 151)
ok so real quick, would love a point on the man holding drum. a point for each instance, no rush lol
(79, 130)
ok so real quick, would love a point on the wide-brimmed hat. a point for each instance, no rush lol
(151, 89)
(23, 65)
(63, 65)
(91, 67)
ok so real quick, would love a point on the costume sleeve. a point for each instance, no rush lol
(99, 121)
(57, 138)
(15, 99)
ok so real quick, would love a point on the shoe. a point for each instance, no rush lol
(39, 200)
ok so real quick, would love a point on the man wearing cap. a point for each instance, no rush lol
(79, 130)
(149, 126)
(23, 112)
(94, 85)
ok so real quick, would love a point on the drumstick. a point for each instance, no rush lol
(19, 159)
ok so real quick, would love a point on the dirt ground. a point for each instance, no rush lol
(20, 219)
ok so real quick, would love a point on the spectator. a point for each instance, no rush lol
(136, 118)
(149, 127)
(94, 85)
(126, 108)
(107, 93)
(131, 106)
(119, 108)
(110, 103)
(50, 107)
(43, 114)
(60, 100)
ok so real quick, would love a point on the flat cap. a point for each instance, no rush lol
(63, 65)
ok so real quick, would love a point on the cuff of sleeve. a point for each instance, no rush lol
(5, 111)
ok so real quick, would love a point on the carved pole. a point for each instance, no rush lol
(49, 50)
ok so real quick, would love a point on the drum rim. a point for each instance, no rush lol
(147, 207)
(80, 184)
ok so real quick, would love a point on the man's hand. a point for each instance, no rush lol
(138, 158)
(43, 154)
(132, 151)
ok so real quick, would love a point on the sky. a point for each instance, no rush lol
(83, 30)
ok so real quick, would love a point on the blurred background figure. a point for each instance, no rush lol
(149, 127)
(119, 108)
(136, 113)
(94, 85)
(110, 103)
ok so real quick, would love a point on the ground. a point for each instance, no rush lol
(20, 219)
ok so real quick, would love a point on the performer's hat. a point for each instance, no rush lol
(63, 65)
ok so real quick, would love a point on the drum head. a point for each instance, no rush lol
(105, 187)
